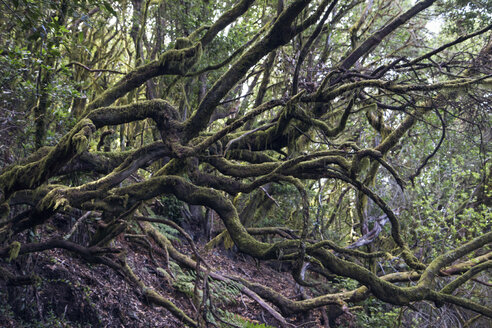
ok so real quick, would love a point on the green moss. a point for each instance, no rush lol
(4, 210)
(179, 61)
(182, 43)
(164, 273)
(53, 200)
(33, 174)
(14, 250)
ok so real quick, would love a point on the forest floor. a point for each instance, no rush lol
(74, 293)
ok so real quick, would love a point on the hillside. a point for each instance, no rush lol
(246, 163)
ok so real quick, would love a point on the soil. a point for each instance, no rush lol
(73, 293)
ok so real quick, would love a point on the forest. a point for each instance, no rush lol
(245, 163)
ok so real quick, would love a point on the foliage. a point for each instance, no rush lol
(376, 314)
(347, 135)
(224, 293)
(168, 231)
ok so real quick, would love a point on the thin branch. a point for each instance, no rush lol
(447, 45)
(75, 226)
(91, 69)
(177, 227)
(426, 160)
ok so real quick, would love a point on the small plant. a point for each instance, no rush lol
(169, 232)
(249, 324)
(223, 292)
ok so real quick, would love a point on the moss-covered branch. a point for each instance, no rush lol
(227, 18)
(333, 92)
(31, 175)
(280, 33)
(90, 253)
(159, 110)
(154, 297)
(437, 264)
(172, 62)
(452, 286)
(377, 37)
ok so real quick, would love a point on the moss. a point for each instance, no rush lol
(165, 274)
(215, 241)
(358, 165)
(53, 200)
(14, 250)
(182, 43)
(4, 210)
(228, 242)
(33, 174)
(179, 61)
(80, 140)
(153, 297)
(106, 233)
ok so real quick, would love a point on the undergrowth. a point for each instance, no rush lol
(223, 293)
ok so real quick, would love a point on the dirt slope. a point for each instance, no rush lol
(70, 292)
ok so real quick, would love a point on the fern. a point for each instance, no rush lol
(183, 281)
(169, 232)
(223, 293)
(237, 320)
(255, 325)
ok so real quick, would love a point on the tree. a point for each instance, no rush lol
(328, 117)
